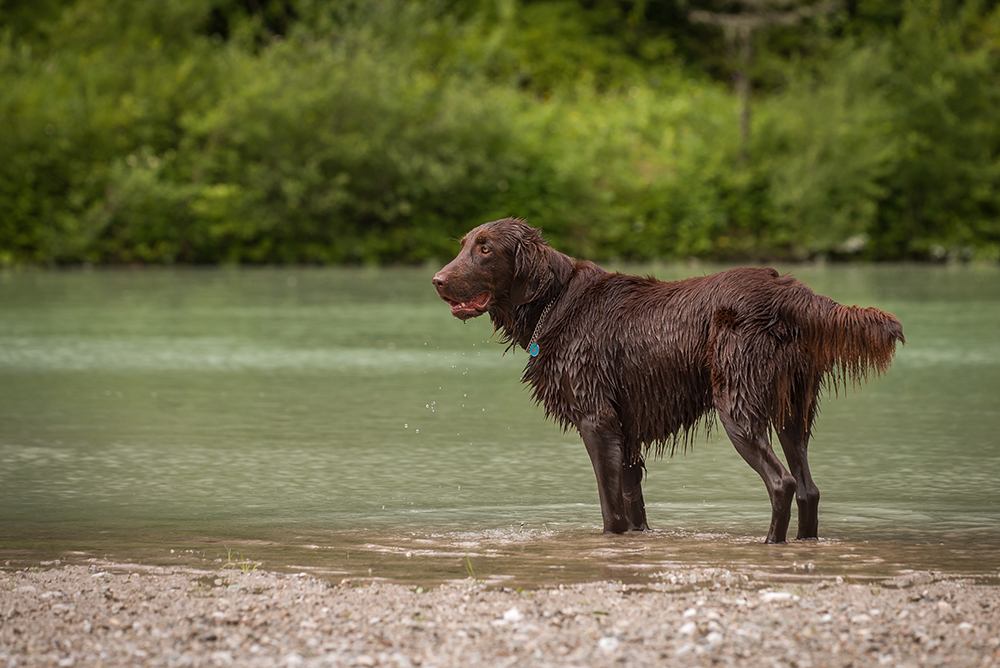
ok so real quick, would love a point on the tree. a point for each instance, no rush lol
(739, 28)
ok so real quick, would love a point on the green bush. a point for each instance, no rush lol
(891, 151)
(199, 131)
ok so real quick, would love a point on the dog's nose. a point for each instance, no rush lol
(440, 280)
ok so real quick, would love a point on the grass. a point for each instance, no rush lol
(468, 566)
(240, 562)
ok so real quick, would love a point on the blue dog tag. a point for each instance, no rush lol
(533, 350)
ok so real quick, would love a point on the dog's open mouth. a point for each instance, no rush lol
(472, 308)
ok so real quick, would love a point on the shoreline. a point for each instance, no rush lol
(105, 613)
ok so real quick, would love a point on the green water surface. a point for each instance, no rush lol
(341, 420)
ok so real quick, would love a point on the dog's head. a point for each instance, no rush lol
(503, 264)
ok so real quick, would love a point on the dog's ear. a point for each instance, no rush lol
(531, 268)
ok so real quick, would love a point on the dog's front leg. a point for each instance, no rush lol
(635, 507)
(604, 445)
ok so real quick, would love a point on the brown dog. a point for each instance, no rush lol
(635, 363)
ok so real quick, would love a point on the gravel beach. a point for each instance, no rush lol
(104, 614)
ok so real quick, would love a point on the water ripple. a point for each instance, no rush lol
(210, 354)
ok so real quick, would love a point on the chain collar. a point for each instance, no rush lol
(532, 346)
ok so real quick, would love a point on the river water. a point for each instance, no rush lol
(341, 422)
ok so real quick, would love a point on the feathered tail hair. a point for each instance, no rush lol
(840, 347)
(851, 344)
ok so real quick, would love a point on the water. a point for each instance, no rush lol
(340, 421)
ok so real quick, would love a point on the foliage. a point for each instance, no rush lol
(207, 131)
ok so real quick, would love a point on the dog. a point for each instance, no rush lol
(636, 364)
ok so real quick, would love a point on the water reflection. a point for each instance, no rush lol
(530, 557)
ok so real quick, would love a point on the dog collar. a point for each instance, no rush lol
(532, 346)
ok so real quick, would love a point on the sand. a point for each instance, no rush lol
(107, 614)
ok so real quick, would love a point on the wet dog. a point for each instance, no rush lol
(636, 364)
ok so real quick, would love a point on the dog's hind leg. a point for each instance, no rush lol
(604, 445)
(755, 449)
(635, 507)
(742, 364)
(794, 438)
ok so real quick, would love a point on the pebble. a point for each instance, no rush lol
(608, 644)
(688, 629)
(513, 615)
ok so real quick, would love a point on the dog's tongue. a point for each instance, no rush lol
(471, 308)
(480, 302)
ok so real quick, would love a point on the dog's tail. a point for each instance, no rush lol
(850, 344)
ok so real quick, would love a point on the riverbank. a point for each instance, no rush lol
(106, 613)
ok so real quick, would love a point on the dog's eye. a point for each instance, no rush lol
(485, 250)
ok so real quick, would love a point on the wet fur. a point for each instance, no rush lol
(637, 365)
